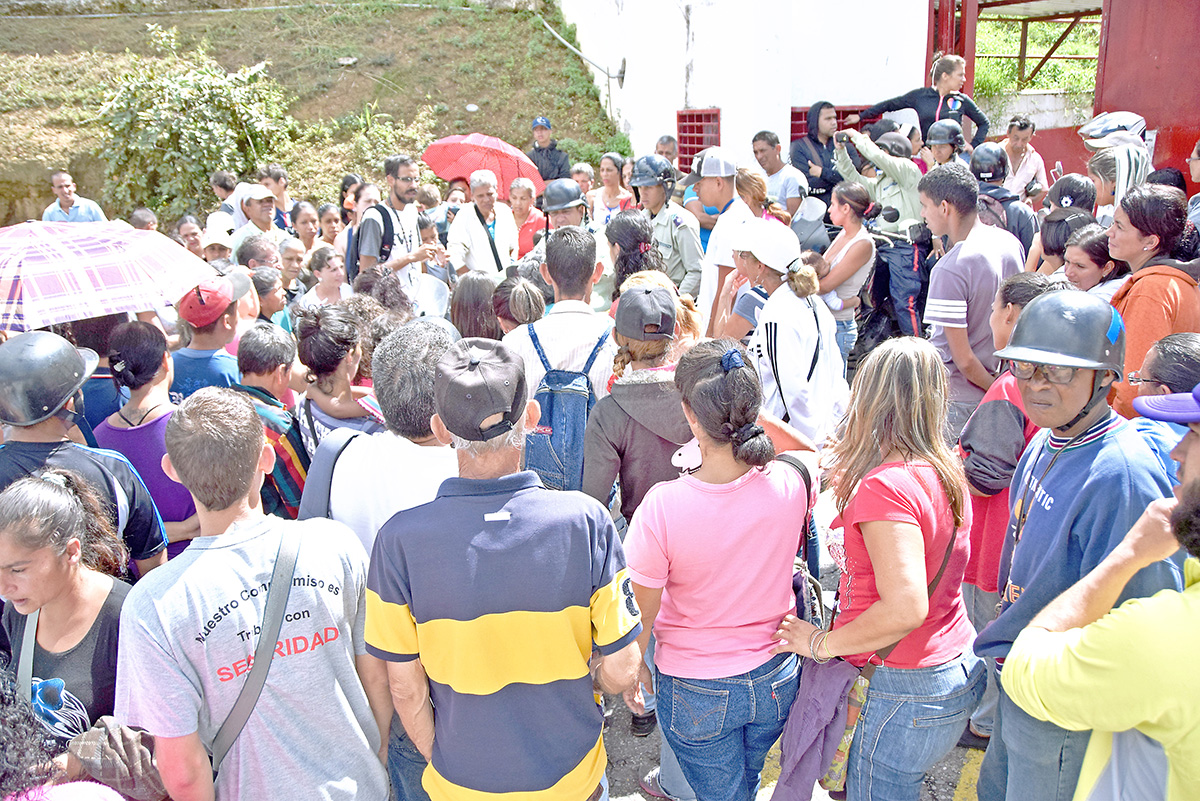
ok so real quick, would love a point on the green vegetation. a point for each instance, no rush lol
(416, 73)
(995, 77)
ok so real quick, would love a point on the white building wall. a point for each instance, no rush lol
(752, 59)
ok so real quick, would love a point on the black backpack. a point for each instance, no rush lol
(385, 243)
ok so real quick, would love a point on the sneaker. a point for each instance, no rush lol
(650, 786)
(970, 739)
(642, 725)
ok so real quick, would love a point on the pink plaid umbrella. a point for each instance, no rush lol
(58, 272)
(460, 155)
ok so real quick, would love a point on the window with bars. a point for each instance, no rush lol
(800, 119)
(697, 129)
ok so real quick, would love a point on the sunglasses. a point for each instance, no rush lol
(1054, 373)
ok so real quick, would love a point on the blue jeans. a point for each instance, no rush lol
(981, 609)
(910, 720)
(846, 336)
(721, 729)
(405, 764)
(1030, 759)
(670, 775)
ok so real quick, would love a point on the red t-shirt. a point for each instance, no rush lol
(905, 492)
(535, 222)
(991, 444)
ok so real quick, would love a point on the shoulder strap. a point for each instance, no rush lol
(318, 486)
(537, 345)
(277, 596)
(312, 425)
(595, 351)
(491, 239)
(801, 468)
(812, 368)
(25, 663)
(883, 653)
(388, 237)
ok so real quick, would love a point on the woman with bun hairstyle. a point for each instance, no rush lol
(517, 302)
(903, 501)
(61, 557)
(851, 255)
(711, 555)
(942, 100)
(794, 345)
(328, 344)
(1159, 298)
(141, 364)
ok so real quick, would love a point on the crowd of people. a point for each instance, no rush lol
(466, 466)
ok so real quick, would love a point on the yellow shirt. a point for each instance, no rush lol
(1134, 668)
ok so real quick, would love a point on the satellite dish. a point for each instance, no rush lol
(621, 75)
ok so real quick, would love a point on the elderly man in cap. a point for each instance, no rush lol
(258, 204)
(211, 309)
(713, 171)
(491, 601)
(1127, 672)
(551, 162)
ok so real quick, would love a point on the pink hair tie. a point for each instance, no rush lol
(644, 247)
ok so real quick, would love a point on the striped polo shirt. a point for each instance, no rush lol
(503, 589)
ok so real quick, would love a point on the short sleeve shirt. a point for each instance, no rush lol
(909, 493)
(788, 183)
(503, 588)
(962, 286)
(404, 227)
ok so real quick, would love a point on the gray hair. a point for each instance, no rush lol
(481, 178)
(584, 168)
(522, 183)
(290, 243)
(258, 247)
(264, 349)
(514, 439)
(264, 278)
(402, 370)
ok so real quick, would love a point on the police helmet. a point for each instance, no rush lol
(560, 194)
(946, 132)
(989, 163)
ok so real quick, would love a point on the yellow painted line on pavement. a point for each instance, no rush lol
(969, 778)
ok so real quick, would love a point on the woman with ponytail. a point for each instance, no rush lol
(752, 189)
(60, 555)
(141, 365)
(905, 507)
(631, 245)
(710, 555)
(794, 344)
(851, 255)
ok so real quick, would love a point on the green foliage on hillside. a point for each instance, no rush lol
(995, 77)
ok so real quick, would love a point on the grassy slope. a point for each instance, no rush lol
(503, 62)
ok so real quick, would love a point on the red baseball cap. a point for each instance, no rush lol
(208, 301)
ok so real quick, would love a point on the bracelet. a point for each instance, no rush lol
(824, 643)
(813, 645)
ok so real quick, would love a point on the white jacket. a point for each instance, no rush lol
(467, 241)
(796, 353)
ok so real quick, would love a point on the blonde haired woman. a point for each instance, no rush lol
(904, 504)
(752, 189)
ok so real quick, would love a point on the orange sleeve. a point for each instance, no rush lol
(1151, 311)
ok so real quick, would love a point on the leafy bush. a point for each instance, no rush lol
(995, 77)
(174, 120)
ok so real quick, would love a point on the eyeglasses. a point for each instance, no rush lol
(405, 180)
(1134, 378)
(1054, 373)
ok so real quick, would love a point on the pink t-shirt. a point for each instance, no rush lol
(723, 556)
(904, 492)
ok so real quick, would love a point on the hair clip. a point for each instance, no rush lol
(118, 366)
(731, 359)
(54, 478)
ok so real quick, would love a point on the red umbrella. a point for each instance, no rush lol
(460, 155)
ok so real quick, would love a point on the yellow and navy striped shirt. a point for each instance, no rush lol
(503, 589)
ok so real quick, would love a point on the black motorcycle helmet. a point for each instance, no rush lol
(39, 373)
(989, 163)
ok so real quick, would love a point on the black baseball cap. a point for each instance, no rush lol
(476, 379)
(646, 313)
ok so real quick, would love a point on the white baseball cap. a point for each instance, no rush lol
(711, 163)
(770, 241)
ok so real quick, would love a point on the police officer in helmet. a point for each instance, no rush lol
(676, 230)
